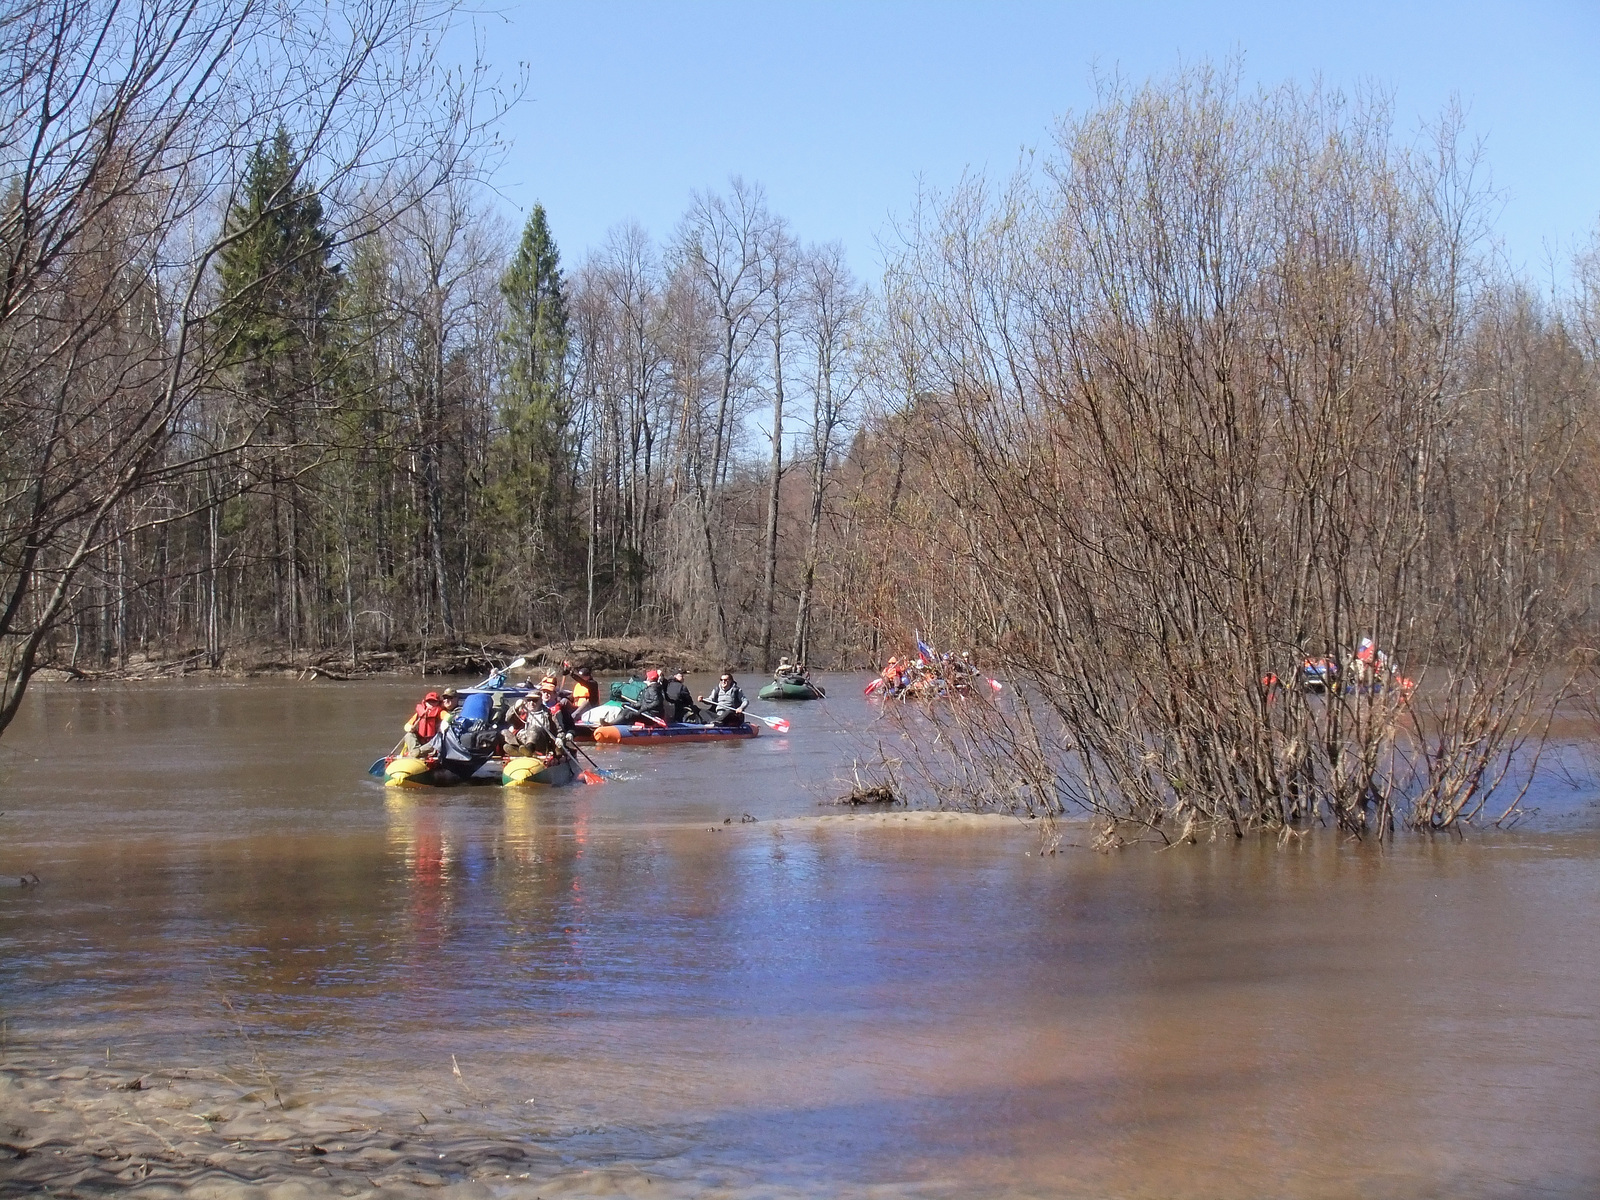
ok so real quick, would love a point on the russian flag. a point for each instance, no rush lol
(924, 651)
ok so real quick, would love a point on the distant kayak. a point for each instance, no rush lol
(791, 689)
(648, 735)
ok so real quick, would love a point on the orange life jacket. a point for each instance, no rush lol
(426, 723)
(580, 693)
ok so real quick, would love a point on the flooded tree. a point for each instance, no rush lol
(1235, 451)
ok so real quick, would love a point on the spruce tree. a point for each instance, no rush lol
(535, 405)
(278, 276)
(279, 283)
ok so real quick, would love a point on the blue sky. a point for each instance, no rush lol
(840, 110)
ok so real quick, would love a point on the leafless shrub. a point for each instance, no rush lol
(1223, 392)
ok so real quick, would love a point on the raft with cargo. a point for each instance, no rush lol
(469, 750)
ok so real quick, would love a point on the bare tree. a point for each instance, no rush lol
(122, 135)
(1201, 410)
(781, 287)
(833, 327)
(724, 244)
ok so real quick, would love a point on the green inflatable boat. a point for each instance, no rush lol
(792, 688)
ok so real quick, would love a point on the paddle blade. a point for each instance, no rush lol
(996, 684)
(590, 777)
(779, 724)
(376, 769)
(519, 661)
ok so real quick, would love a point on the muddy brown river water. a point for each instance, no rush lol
(245, 961)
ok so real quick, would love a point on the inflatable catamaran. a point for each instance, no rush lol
(468, 750)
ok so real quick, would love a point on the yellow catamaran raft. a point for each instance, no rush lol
(527, 770)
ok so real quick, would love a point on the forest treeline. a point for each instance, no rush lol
(277, 373)
(454, 436)
(461, 438)
(1228, 381)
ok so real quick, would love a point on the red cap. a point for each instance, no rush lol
(652, 675)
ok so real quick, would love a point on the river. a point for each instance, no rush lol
(246, 960)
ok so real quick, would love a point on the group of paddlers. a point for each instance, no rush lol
(544, 720)
(927, 674)
(541, 722)
(1367, 670)
(670, 702)
(793, 673)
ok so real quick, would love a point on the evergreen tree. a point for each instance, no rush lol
(279, 283)
(278, 276)
(535, 406)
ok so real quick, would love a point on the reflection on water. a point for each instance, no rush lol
(620, 976)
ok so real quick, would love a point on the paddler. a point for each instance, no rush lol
(423, 727)
(546, 722)
(584, 689)
(726, 700)
(680, 700)
(652, 697)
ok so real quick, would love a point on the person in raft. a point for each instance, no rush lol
(727, 700)
(653, 698)
(680, 700)
(546, 722)
(584, 689)
(423, 728)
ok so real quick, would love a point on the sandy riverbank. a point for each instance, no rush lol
(73, 1129)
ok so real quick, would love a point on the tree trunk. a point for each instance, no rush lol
(594, 518)
(770, 582)
(800, 651)
(213, 560)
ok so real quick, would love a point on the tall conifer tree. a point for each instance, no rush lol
(278, 276)
(535, 406)
(279, 283)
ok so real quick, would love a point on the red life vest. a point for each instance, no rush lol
(427, 720)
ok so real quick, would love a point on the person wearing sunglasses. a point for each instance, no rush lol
(727, 701)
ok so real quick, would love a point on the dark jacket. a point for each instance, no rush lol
(652, 701)
(681, 700)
